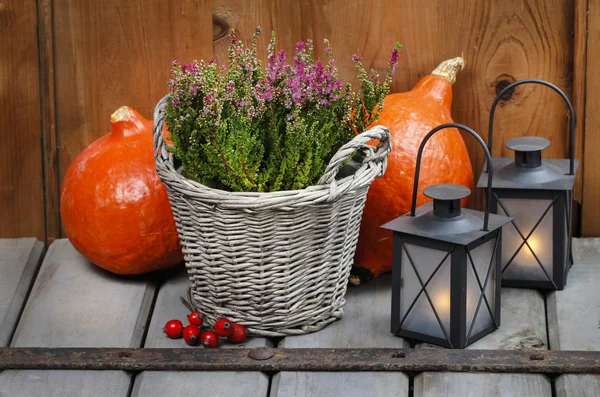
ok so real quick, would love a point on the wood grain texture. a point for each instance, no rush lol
(574, 313)
(366, 323)
(15, 383)
(48, 122)
(114, 53)
(21, 189)
(591, 161)
(523, 322)
(76, 304)
(19, 261)
(500, 41)
(340, 384)
(154, 383)
(192, 384)
(498, 385)
(577, 386)
(523, 326)
(579, 80)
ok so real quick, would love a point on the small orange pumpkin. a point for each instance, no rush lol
(114, 208)
(409, 117)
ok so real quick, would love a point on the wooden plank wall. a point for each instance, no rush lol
(93, 57)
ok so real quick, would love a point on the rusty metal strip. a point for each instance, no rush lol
(264, 359)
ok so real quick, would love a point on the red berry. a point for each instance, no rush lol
(209, 339)
(195, 318)
(238, 335)
(173, 329)
(191, 335)
(223, 327)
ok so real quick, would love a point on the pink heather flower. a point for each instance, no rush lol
(299, 47)
(187, 67)
(356, 58)
(394, 59)
(175, 101)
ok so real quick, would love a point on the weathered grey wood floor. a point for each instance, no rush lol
(71, 303)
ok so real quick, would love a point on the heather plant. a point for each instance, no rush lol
(249, 128)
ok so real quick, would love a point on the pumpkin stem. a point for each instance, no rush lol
(449, 68)
(121, 114)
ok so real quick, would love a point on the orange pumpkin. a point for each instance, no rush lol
(409, 117)
(114, 208)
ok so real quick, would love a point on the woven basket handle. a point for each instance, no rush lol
(377, 153)
(161, 154)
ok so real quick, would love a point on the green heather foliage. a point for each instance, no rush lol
(248, 128)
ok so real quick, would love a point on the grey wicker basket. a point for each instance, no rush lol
(276, 262)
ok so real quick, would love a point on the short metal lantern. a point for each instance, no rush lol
(538, 195)
(445, 270)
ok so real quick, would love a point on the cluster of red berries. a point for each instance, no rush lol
(192, 334)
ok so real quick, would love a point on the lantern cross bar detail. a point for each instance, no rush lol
(538, 194)
(446, 265)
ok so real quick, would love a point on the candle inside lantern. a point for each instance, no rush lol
(524, 265)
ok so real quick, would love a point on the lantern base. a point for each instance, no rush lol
(443, 342)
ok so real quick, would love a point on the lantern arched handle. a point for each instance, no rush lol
(418, 167)
(564, 97)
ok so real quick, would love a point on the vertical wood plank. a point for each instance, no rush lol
(76, 304)
(115, 53)
(48, 122)
(19, 261)
(21, 190)
(501, 42)
(579, 77)
(590, 224)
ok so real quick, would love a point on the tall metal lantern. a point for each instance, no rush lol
(538, 195)
(446, 265)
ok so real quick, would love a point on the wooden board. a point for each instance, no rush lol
(21, 185)
(63, 383)
(114, 53)
(366, 323)
(591, 161)
(574, 316)
(19, 260)
(340, 384)
(574, 313)
(153, 383)
(498, 385)
(523, 326)
(577, 386)
(76, 304)
(523, 322)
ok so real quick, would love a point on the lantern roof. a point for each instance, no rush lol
(552, 174)
(461, 230)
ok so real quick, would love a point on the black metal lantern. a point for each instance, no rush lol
(446, 265)
(538, 195)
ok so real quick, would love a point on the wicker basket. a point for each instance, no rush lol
(276, 262)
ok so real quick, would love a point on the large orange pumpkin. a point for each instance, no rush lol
(409, 117)
(114, 208)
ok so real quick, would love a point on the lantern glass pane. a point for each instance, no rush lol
(422, 318)
(484, 259)
(526, 213)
